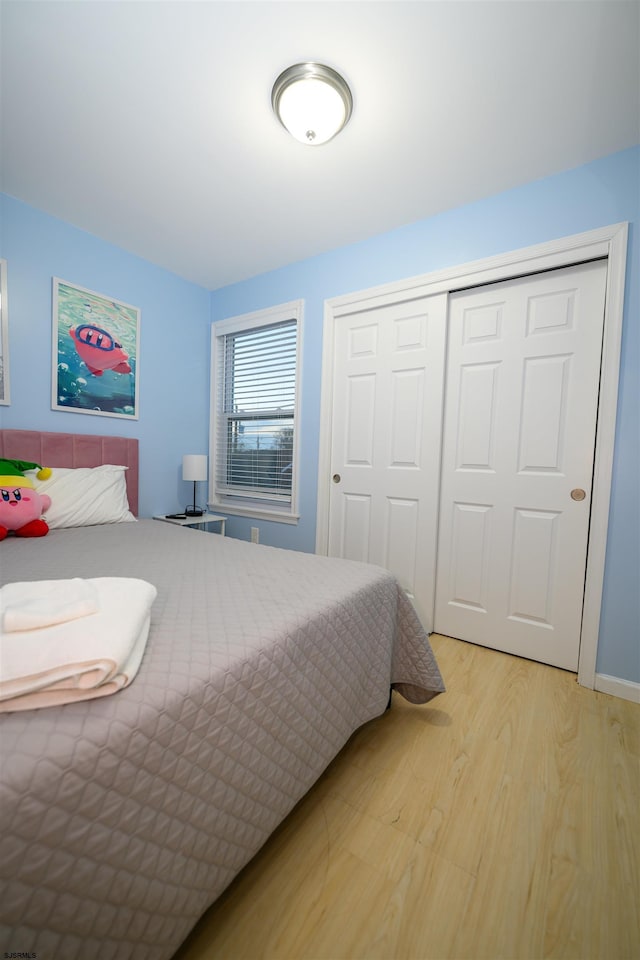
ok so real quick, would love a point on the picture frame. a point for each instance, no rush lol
(94, 353)
(5, 380)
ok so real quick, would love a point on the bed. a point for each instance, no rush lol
(124, 818)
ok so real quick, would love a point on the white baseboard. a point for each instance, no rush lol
(625, 689)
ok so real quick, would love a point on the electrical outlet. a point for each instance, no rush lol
(255, 534)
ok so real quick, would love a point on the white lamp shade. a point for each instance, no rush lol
(312, 111)
(194, 466)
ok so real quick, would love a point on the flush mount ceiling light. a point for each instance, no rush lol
(312, 101)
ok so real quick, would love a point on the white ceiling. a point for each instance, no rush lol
(149, 123)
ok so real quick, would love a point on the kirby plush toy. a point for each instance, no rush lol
(21, 506)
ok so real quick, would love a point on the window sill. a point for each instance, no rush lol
(256, 512)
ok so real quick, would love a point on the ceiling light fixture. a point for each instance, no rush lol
(312, 101)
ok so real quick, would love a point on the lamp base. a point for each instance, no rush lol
(193, 511)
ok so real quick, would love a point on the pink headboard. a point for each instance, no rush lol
(74, 450)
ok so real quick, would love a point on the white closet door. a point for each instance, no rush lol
(387, 416)
(519, 433)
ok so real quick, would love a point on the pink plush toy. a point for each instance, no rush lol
(21, 506)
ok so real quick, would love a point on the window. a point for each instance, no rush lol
(254, 412)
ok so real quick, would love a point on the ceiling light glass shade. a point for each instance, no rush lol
(312, 101)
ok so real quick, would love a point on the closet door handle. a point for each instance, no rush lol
(336, 478)
(578, 494)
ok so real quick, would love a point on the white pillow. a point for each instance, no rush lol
(85, 496)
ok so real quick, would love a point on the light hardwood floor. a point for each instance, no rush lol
(499, 821)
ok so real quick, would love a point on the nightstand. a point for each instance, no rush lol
(201, 522)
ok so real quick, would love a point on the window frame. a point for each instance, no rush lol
(263, 508)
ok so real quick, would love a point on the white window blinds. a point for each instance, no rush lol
(255, 412)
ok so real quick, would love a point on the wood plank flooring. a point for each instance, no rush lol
(500, 822)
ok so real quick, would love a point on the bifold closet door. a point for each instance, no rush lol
(521, 400)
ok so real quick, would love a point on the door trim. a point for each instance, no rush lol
(609, 242)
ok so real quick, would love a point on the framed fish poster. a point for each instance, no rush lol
(95, 353)
(4, 337)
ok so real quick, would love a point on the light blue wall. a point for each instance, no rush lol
(175, 315)
(174, 346)
(600, 193)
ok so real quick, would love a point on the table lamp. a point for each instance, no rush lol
(194, 467)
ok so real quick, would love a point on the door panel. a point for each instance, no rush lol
(519, 434)
(477, 419)
(469, 554)
(356, 527)
(405, 429)
(387, 421)
(401, 540)
(544, 413)
(534, 544)
(360, 420)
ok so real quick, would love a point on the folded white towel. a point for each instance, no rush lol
(29, 606)
(57, 694)
(73, 660)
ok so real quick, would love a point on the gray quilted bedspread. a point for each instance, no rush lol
(123, 818)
